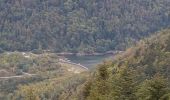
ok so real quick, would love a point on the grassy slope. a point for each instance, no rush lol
(48, 72)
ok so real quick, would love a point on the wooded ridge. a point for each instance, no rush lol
(78, 25)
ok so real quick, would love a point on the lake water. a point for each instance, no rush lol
(89, 61)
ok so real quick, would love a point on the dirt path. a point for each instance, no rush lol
(17, 76)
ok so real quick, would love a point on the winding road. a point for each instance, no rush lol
(18, 76)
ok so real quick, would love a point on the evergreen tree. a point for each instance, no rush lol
(100, 88)
(124, 84)
(154, 89)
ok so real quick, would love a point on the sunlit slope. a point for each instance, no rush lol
(140, 73)
(23, 71)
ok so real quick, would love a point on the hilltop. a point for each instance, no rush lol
(140, 73)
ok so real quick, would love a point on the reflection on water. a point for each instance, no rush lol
(88, 61)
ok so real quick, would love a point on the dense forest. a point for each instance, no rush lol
(35, 35)
(79, 25)
(140, 73)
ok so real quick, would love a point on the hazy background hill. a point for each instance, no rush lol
(79, 25)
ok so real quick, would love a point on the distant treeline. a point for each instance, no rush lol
(79, 25)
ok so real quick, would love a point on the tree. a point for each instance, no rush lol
(28, 93)
(124, 84)
(100, 88)
(154, 89)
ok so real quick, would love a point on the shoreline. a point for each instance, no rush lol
(88, 54)
(71, 53)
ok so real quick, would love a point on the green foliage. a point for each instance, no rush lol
(154, 89)
(124, 84)
(140, 73)
(78, 25)
(57, 88)
(40, 77)
(103, 72)
(100, 89)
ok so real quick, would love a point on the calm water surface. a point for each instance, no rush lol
(89, 61)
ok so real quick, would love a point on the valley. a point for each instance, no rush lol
(84, 49)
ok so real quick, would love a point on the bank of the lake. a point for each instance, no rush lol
(88, 54)
(89, 61)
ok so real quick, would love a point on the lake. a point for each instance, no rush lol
(89, 61)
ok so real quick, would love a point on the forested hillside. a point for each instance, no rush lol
(28, 76)
(141, 73)
(79, 25)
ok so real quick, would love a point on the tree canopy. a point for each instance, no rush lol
(78, 25)
(140, 73)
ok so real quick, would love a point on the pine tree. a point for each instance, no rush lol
(124, 84)
(100, 88)
(153, 89)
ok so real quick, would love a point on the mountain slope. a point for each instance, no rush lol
(140, 73)
(78, 25)
(24, 73)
